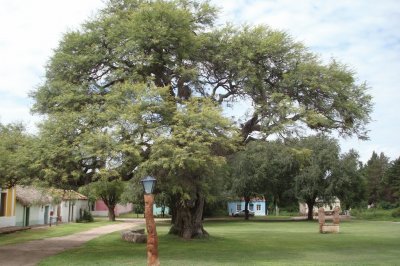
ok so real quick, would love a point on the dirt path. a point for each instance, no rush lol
(30, 253)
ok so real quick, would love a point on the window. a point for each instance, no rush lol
(239, 207)
(3, 202)
(258, 207)
(251, 207)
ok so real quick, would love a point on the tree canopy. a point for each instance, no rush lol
(15, 160)
(264, 169)
(175, 44)
(137, 70)
(319, 160)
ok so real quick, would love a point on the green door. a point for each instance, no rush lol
(27, 216)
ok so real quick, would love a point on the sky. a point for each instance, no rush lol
(364, 34)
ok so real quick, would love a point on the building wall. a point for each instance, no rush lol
(157, 210)
(36, 214)
(19, 215)
(9, 207)
(259, 207)
(70, 210)
(303, 208)
(101, 209)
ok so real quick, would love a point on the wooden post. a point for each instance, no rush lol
(152, 239)
(321, 218)
(336, 217)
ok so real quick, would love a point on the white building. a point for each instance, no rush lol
(328, 206)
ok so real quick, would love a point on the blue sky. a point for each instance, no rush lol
(361, 33)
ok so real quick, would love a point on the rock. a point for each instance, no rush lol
(134, 236)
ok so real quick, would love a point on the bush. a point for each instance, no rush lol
(373, 214)
(86, 217)
(396, 213)
(387, 205)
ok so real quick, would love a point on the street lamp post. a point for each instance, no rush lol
(149, 184)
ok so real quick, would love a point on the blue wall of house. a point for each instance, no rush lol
(157, 210)
(257, 206)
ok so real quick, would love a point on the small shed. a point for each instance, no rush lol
(256, 205)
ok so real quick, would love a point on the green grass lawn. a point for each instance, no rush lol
(46, 232)
(251, 243)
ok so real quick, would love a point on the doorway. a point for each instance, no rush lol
(46, 214)
(27, 216)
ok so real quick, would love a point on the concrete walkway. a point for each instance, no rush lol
(30, 253)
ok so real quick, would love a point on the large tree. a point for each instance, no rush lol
(173, 44)
(109, 192)
(350, 186)
(319, 158)
(392, 182)
(374, 172)
(188, 160)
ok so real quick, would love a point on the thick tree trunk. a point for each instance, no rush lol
(246, 207)
(111, 213)
(111, 210)
(188, 221)
(310, 205)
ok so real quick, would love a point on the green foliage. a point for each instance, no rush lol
(392, 182)
(316, 175)
(374, 172)
(86, 217)
(174, 44)
(16, 149)
(319, 175)
(108, 191)
(350, 186)
(396, 213)
(264, 168)
(188, 159)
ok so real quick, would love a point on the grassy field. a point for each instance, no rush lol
(252, 243)
(46, 232)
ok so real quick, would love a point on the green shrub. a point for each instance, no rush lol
(86, 217)
(396, 213)
(374, 214)
(387, 205)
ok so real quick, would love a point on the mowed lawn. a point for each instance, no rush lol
(252, 243)
(46, 232)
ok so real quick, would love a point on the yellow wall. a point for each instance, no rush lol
(10, 202)
(11, 198)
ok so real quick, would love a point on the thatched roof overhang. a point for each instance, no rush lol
(28, 196)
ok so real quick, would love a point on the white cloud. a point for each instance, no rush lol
(29, 32)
